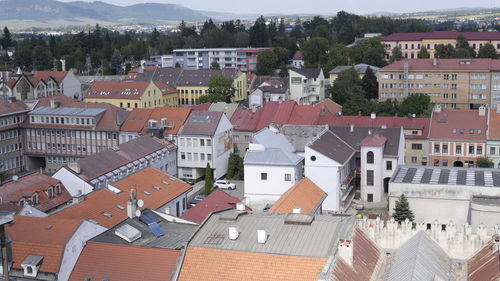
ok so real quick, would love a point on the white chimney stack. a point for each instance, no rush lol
(297, 210)
(437, 108)
(345, 250)
(261, 236)
(352, 128)
(132, 205)
(482, 110)
(233, 233)
(240, 206)
(373, 115)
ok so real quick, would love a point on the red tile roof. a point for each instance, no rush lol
(444, 64)
(137, 120)
(217, 200)
(391, 122)
(485, 264)
(201, 107)
(373, 140)
(245, 119)
(275, 112)
(33, 236)
(297, 55)
(305, 194)
(304, 115)
(164, 88)
(58, 76)
(104, 201)
(105, 261)
(463, 122)
(441, 35)
(329, 107)
(117, 90)
(7, 108)
(494, 125)
(25, 187)
(205, 264)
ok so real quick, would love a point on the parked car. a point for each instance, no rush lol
(189, 181)
(224, 184)
(197, 199)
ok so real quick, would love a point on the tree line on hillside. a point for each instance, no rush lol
(102, 51)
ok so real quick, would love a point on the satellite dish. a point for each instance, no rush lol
(138, 213)
(15, 177)
(140, 203)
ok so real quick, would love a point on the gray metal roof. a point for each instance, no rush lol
(319, 239)
(308, 72)
(447, 176)
(227, 108)
(272, 156)
(300, 135)
(333, 147)
(419, 259)
(176, 234)
(272, 139)
(68, 111)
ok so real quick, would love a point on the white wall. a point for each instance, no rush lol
(172, 206)
(74, 247)
(74, 184)
(71, 85)
(484, 214)
(128, 136)
(378, 166)
(325, 173)
(259, 191)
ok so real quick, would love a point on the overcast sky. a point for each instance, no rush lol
(316, 6)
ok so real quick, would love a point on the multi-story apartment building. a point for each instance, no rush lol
(12, 115)
(61, 130)
(307, 85)
(457, 137)
(411, 43)
(37, 84)
(131, 94)
(452, 83)
(493, 137)
(192, 84)
(244, 59)
(205, 137)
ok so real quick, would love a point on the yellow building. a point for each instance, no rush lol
(129, 94)
(453, 83)
(411, 43)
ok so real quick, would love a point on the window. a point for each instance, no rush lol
(288, 177)
(471, 149)
(263, 176)
(445, 163)
(414, 159)
(209, 142)
(369, 157)
(50, 193)
(479, 150)
(183, 156)
(416, 146)
(445, 148)
(388, 165)
(436, 148)
(209, 157)
(34, 199)
(492, 150)
(436, 162)
(458, 149)
(369, 177)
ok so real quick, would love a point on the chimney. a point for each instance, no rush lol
(240, 206)
(297, 210)
(75, 166)
(345, 250)
(261, 236)
(352, 128)
(132, 204)
(435, 62)
(52, 103)
(233, 233)
(437, 108)
(482, 110)
(373, 115)
(369, 132)
(254, 108)
(384, 126)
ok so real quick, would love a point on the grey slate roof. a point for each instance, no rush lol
(272, 156)
(419, 259)
(300, 135)
(67, 111)
(308, 72)
(272, 139)
(201, 123)
(359, 133)
(360, 68)
(447, 176)
(175, 77)
(319, 239)
(227, 108)
(176, 234)
(333, 147)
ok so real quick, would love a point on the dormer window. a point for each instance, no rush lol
(50, 192)
(58, 189)
(34, 199)
(22, 202)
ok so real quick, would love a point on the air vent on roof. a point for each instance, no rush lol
(108, 215)
(48, 227)
(233, 233)
(115, 148)
(146, 192)
(156, 188)
(165, 182)
(120, 207)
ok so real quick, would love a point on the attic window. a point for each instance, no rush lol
(462, 131)
(146, 192)
(156, 188)
(108, 215)
(120, 207)
(172, 179)
(471, 131)
(478, 132)
(165, 182)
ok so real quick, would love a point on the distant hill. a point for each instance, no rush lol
(52, 11)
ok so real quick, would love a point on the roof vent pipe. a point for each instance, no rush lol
(240, 206)
(233, 233)
(261, 236)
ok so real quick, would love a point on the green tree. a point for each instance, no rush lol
(464, 50)
(402, 210)
(215, 65)
(369, 51)
(235, 165)
(346, 85)
(3, 175)
(220, 85)
(445, 51)
(356, 104)
(339, 55)
(487, 51)
(6, 38)
(417, 104)
(208, 179)
(423, 54)
(259, 33)
(484, 162)
(388, 107)
(396, 55)
(267, 62)
(42, 58)
(315, 52)
(370, 84)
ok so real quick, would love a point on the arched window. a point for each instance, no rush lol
(34, 199)
(369, 157)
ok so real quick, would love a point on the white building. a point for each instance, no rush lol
(272, 89)
(205, 137)
(440, 195)
(271, 168)
(298, 60)
(307, 85)
(333, 159)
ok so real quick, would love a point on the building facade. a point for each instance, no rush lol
(453, 83)
(12, 115)
(307, 86)
(493, 137)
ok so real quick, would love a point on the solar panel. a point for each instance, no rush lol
(156, 229)
(148, 218)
